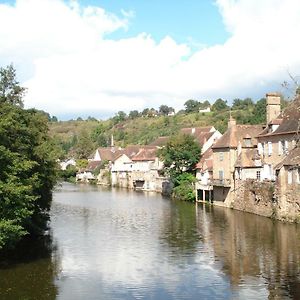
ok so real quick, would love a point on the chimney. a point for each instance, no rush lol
(273, 106)
(193, 130)
(231, 122)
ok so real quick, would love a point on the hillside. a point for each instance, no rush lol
(80, 137)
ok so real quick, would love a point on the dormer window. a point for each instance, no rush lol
(247, 142)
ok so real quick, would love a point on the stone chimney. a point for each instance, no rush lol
(231, 122)
(273, 106)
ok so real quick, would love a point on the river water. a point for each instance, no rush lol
(118, 244)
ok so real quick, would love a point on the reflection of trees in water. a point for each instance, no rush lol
(250, 245)
(180, 230)
(30, 272)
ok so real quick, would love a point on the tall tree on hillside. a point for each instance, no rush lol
(165, 110)
(10, 90)
(191, 106)
(219, 105)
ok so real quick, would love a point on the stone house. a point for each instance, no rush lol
(122, 167)
(288, 186)
(204, 175)
(146, 170)
(280, 135)
(235, 144)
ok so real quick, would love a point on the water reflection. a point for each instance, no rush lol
(30, 272)
(118, 244)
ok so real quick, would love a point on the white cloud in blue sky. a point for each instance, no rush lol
(84, 58)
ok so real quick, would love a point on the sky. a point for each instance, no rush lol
(95, 58)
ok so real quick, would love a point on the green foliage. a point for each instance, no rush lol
(191, 106)
(84, 146)
(165, 110)
(220, 105)
(259, 112)
(180, 155)
(27, 173)
(68, 174)
(10, 90)
(184, 187)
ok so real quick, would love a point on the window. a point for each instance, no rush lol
(280, 147)
(290, 177)
(286, 147)
(260, 149)
(221, 175)
(247, 142)
(258, 175)
(221, 156)
(269, 148)
(298, 175)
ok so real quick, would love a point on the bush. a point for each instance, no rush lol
(184, 187)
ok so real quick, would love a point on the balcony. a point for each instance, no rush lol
(222, 182)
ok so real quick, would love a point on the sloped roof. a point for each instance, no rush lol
(203, 137)
(196, 130)
(106, 153)
(248, 158)
(146, 154)
(132, 150)
(160, 141)
(288, 120)
(235, 135)
(292, 159)
(206, 161)
(92, 165)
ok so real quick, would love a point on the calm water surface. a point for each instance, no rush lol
(119, 244)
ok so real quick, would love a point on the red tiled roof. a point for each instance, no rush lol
(206, 161)
(248, 158)
(160, 141)
(146, 154)
(292, 159)
(236, 134)
(196, 130)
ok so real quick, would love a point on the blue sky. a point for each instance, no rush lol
(80, 58)
(191, 21)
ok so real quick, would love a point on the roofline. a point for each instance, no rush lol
(279, 133)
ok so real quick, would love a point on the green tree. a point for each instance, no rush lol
(84, 146)
(133, 114)
(165, 110)
(180, 155)
(219, 105)
(27, 173)
(259, 112)
(191, 106)
(10, 90)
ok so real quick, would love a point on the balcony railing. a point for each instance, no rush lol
(221, 182)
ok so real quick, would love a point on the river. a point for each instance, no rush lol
(118, 244)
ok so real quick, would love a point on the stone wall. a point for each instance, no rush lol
(255, 197)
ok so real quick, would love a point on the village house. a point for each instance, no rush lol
(204, 175)
(288, 186)
(122, 167)
(146, 170)
(280, 135)
(236, 143)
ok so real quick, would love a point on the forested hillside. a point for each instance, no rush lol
(79, 138)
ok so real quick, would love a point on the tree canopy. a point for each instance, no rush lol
(10, 90)
(180, 154)
(27, 165)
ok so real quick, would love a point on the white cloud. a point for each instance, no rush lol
(64, 57)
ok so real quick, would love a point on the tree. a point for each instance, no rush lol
(133, 114)
(180, 154)
(27, 173)
(191, 106)
(259, 112)
(10, 90)
(219, 105)
(165, 110)
(84, 146)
